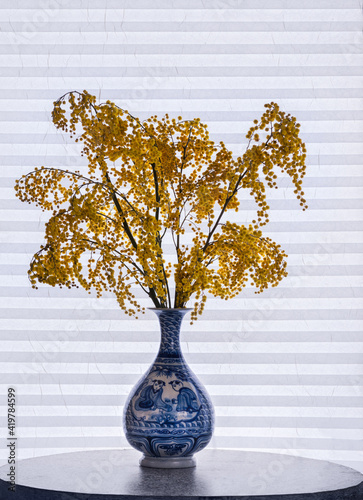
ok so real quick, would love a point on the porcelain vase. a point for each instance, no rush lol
(168, 415)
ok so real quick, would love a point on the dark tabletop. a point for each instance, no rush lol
(220, 474)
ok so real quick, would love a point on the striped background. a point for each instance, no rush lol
(284, 368)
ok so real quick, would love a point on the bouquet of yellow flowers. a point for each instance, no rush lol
(152, 181)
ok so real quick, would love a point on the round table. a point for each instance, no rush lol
(220, 474)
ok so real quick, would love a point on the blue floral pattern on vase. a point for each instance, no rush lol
(169, 413)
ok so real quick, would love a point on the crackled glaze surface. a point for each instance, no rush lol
(169, 413)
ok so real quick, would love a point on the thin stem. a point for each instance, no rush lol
(226, 203)
(167, 286)
(157, 196)
(120, 211)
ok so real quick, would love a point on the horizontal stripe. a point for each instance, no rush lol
(318, 216)
(271, 227)
(328, 172)
(294, 445)
(18, 348)
(165, 72)
(181, 82)
(55, 13)
(290, 205)
(312, 444)
(324, 144)
(274, 294)
(43, 132)
(157, 61)
(328, 146)
(137, 49)
(205, 336)
(267, 433)
(27, 391)
(283, 192)
(41, 123)
(101, 411)
(320, 379)
(307, 270)
(56, 402)
(322, 238)
(280, 292)
(209, 315)
(338, 35)
(186, 4)
(32, 221)
(216, 308)
(334, 100)
(9, 141)
(76, 161)
(219, 26)
(229, 360)
(289, 218)
(39, 366)
(320, 424)
(263, 320)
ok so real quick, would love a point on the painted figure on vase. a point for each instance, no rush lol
(151, 397)
(186, 399)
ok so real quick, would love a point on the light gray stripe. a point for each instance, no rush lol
(53, 161)
(289, 248)
(243, 422)
(215, 379)
(220, 315)
(239, 116)
(95, 49)
(119, 400)
(240, 138)
(185, 27)
(185, 4)
(198, 358)
(324, 204)
(279, 422)
(309, 138)
(181, 49)
(223, 442)
(272, 227)
(266, 94)
(317, 270)
(182, 71)
(293, 293)
(61, 336)
(309, 182)
(74, 442)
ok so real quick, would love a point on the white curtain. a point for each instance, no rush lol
(284, 368)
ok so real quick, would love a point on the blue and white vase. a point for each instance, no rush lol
(168, 415)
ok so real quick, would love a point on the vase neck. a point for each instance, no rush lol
(170, 323)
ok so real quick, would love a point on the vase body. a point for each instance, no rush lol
(168, 415)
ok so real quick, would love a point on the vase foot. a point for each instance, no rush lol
(168, 463)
